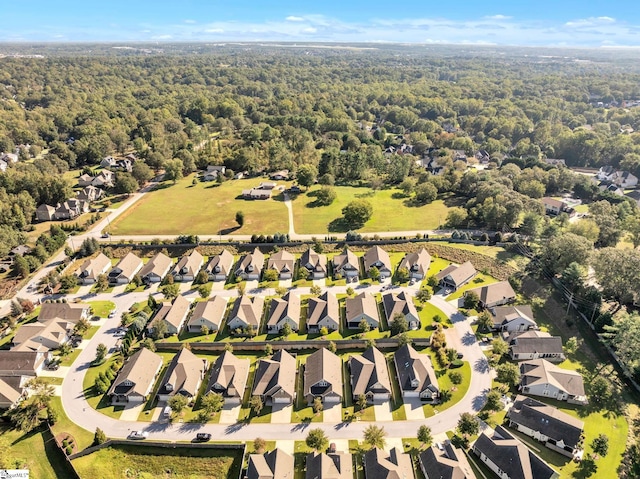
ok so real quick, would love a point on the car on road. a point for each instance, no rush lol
(138, 435)
(203, 437)
(112, 314)
(104, 235)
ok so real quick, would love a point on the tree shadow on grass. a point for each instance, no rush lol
(228, 231)
(339, 225)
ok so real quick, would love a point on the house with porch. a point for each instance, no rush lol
(314, 263)
(362, 307)
(283, 262)
(92, 268)
(323, 378)
(346, 265)
(135, 380)
(125, 270)
(220, 266)
(187, 268)
(156, 269)
(207, 314)
(323, 312)
(542, 378)
(250, 266)
(417, 263)
(246, 312)
(401, 304)
(229, 377)
(370, 376)
(285, 310)
(275, 379)
(415, 373)
(494, 294)
(184, 376)
(456, 276)
(378, 258)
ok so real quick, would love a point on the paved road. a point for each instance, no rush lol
(82, 414)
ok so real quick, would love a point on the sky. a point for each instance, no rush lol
(580, 23)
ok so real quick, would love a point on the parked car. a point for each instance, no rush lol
(203, 437)
(138, 435)
(53, 366)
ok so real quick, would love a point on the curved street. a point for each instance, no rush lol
(79, 411)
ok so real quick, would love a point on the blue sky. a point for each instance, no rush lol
(544, 22)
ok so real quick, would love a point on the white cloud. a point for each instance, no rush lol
(293, 18)
(310, 30)
(162, 37)
(190, 22)
(498, 17)
(591, 21)
(214, 30)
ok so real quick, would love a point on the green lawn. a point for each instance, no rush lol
(206, 208)
(35, 451)
(83, 437)
(136, 461)
(389, 213)
(445, 383)
(102, 308)
(99, 402)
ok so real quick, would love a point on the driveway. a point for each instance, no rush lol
(229, 414)
(413, 408)
(131, 412)
(62, 372)
(286, 445)
(383, 411)
(281, 413)
(332, 414)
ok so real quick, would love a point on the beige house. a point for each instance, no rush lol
(454, 276)
(285, 310)
(494, 294)
(156, 269)
(275, 379)
(445, 462)
(184, 376)
(346, 265)
(314, 263)
(370, 376)
(323, 377)
(507, 457)
(207, 313)
(557, 430)
(173, 315)
(246, 312)
(136, 378)
(392, 464)
(250, 266)
(188, 267)
(535, 345)
(403, 305)
(333, 465)
(513, 319)
(275, 464)
(361, 307)
(417, 264)
(415, 373)
(125, 270)
(220, 266)
(378, 258)
(22, 363)
(229, 377)
(283, 262)
(92, 268)
(70, 312)
(323, 312)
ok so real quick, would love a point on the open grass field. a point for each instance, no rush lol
(34, 451)
(136, 461)
(390, 212)
(204, 208)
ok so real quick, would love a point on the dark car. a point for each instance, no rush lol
(203, 437)
(460, 355)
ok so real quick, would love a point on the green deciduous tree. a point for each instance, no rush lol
(508, 373)
(357, 213)
(374, 436)
(424, 435)
(468, 424)
(317, 440)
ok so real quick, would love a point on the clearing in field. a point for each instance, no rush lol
(391, 212)
(116, 462)
(202, 209)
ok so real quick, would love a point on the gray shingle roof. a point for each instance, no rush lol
(547, 420)
(323, 365)
(369, 373)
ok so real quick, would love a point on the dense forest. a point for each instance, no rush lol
(336, 110)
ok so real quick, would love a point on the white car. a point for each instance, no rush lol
(138, 435)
